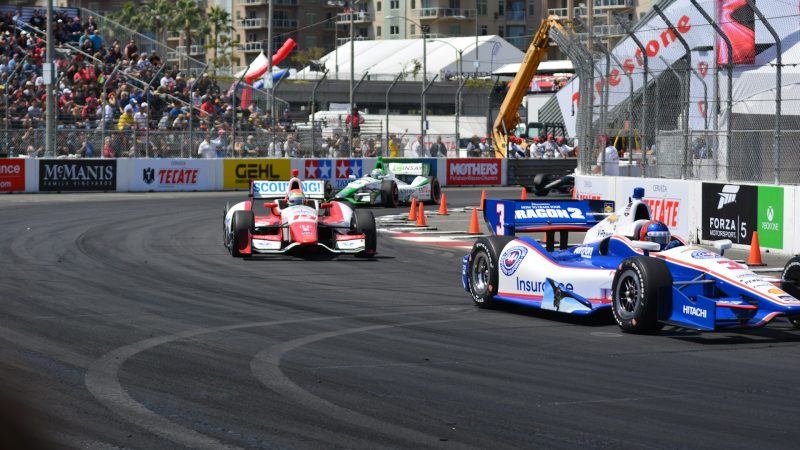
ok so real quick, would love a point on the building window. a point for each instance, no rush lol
(413, 4)
(501, 8)
(484, 30)
(501, 31)
(455, 30)
(455, 4)
(377, 6)
(414, 30)
(378, 31)
(394, 4)
(481, 7)
(394, 30)
(531, 7)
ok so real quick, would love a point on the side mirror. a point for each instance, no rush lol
(270, 205)
(647, 245)
(722, 245)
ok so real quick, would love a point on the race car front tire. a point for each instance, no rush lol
(482, 269)
(390, 194)
(791, 283)
(225, 235)
(242, 224)
(641, 282)
(365, 223)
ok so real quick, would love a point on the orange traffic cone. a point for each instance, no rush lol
(473, 223)
(412, 213)
(483, 200)
(443, 206)
(755, 252)
(421, 216)
(524, 195)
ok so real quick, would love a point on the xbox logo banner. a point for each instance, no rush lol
(770, 216)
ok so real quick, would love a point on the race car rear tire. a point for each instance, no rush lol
(436, 191)
(641, 282)
(482, 275)
(242, 224)
(791, 283)
(390, 194)
(225, 235)
(365, 223)
(539, 183)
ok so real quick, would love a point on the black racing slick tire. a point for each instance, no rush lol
(641, 282)
(390, 194)
(483, 276)
(242, 224)
(436, 191)
(790, 282)
(365, 223)
(539, 183)
(225, 235)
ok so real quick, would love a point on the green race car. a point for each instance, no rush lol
(394, 185)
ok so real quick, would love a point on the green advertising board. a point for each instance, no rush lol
(770, 216)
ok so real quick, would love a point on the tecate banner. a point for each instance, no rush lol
(668, 200)
(77, 175)
(172, 175)
(12, 175)
(239, 172)
(474, 171)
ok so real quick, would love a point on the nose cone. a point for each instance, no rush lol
(304, 233)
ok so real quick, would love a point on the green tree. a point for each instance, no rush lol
(190, 18)
(220, 22)
(153, 16)
(302, 58)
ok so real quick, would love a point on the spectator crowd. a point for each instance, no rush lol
(116, 89)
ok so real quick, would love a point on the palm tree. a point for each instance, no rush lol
(189, 18)
(219, 19)
(153, 16)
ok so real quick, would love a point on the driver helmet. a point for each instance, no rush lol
(295, 197)
(376, 173)
(656, 231)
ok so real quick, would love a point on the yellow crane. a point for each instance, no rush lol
(508, 116)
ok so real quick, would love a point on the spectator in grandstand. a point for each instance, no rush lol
(75, 29)
(126, 121)
(371, 150)
(38, 20)
(90, 24)
(207, 148)
(286, 124)
(140, 118)
(292, 147)
(86, 150)
(474, 147)
(550, 147)
(438, 148)
(131, 50)
(354, 120)
(108, 149)
(167, 81)
(221, 142)
(268, 120)
(394, 144)
(275, 149)
(249, 148)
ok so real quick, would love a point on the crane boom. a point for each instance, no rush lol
(508, 116)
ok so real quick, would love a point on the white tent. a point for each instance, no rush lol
(385, 59)
(754, 90)
(545, 67)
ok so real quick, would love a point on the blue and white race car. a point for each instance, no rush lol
(627, 262)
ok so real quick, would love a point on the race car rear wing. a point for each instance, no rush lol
(508, 217)
(270, 189)
(409, 168)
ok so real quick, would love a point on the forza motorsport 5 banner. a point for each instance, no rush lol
(172, 175)
(12, 175)
(237, 173)
(474, 171)
(77, 175)
(732, 211)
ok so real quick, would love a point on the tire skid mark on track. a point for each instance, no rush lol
(266, 368)
(102, 379)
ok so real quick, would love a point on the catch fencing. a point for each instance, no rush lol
(676, 103)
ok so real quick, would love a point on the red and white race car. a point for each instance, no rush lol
(286, 216)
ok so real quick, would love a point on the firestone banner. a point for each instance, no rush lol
(474, 171)
(12, 175)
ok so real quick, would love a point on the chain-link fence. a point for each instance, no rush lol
(676, 108)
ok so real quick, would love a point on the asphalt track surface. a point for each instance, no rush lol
(125, 324)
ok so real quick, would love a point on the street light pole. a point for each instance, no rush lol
(352, 75)
(424, 83)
